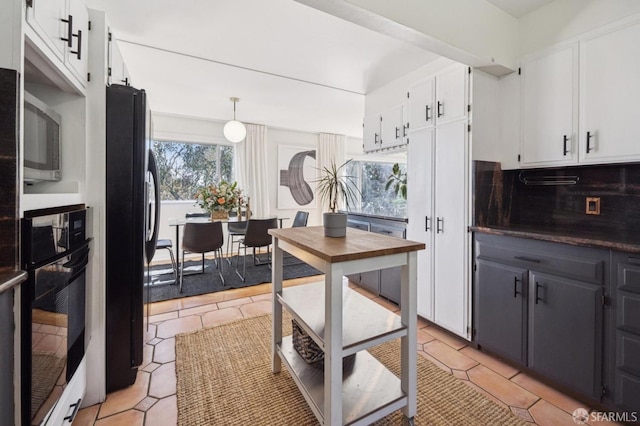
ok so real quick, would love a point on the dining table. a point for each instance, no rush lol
(180, 222)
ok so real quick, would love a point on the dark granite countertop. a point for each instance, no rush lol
(587, 238)
(377, 216)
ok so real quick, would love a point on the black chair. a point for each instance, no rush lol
(195, 216)
(168, 245)
(203, 237)
(256, 236)
(236, 231)
(300, 220)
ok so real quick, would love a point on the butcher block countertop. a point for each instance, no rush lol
(356, 245)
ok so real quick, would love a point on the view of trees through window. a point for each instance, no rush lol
(184, 167)
(371, 178)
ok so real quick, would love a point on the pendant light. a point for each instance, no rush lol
(234, 130)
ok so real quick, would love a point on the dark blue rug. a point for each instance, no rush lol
(163, 286)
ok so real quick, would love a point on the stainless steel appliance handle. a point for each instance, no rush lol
(151, 243)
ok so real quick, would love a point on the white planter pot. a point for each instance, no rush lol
(335, 224)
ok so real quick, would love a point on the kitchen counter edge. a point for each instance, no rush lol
(560, 238)
(9, 280)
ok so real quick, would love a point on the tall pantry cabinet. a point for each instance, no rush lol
(445, 111)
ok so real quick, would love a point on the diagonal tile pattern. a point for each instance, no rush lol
(152, 400)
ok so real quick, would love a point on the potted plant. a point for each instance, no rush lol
(335, 186)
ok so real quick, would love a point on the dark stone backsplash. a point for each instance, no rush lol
(502, 199)
(8, 169)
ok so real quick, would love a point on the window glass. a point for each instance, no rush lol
(184, 167)
(371, 178)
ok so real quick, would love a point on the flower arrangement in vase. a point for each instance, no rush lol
(219, 199)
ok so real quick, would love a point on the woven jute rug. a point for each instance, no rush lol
(224, 378)
(46, 369)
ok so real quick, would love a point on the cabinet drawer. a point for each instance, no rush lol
(628, 352)
(629, 312)
(387, 230)
(579, 263)
(357, 224)
(627, 391)
(629, 274)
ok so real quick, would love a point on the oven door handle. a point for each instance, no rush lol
(80, 259)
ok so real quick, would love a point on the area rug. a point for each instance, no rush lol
(224, 377)
(46, 369)
(163, 285)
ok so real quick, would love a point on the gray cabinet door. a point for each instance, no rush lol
(500, 303)
(565, 331)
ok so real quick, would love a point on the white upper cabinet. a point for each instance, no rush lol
(393, 127)
(59, 30)
(610, 90)
(421, 100)
(117, 72)
(549, 108)
(47, 18)
(451, 94)
(77, 55)
(371, 132)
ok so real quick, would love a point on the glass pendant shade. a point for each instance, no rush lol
(234, 131)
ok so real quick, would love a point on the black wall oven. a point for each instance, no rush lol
(55, 252)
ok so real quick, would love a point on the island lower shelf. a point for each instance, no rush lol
(368, 387)
(364, 322)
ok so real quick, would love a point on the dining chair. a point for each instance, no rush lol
(236, 231)
(256, 236)
(193, 216)
(203, 237)
(300, 220)
(168, 245)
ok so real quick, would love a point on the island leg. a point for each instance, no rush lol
(276, 320)
(408, 315)
(333, 346)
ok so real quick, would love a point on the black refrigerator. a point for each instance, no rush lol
(132, 211)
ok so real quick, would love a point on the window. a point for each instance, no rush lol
(184, 167)
(371, 178)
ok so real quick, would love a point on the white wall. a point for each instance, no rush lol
(565, 19)
(11, 38)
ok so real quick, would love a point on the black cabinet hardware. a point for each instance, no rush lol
(439, 225)
(427, 227)
(440, 109)
(397, 132)
(375, 138)
(78, 52)
(589, 136)
(69, 39)
(527, 259)
(76, 407)
(427, 108)
(537, 291)
(564, 149)
(515, 286)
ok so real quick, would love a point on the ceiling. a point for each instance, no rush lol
(519, 8)
(292, 66)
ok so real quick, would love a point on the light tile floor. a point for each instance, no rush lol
(152, 400)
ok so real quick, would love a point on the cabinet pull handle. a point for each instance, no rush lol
(633, 260)
(440, 109)
(515, 287)
(536, 295)
(404, 130)
(439, 225)
(397, 132)
(69, 38)
(76, 407)
(78, 52)
(375, 139)
(427, 227)
(427, 108)
(526, 259)
(564, 149)
(589, 136)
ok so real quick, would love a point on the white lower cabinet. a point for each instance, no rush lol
(438, 211)
(68, 405)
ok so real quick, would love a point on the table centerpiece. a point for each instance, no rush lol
(219, 199)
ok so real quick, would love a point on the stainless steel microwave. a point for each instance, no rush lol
(42, 127)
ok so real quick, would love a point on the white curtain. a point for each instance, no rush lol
(331, 149)
(252, 174)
